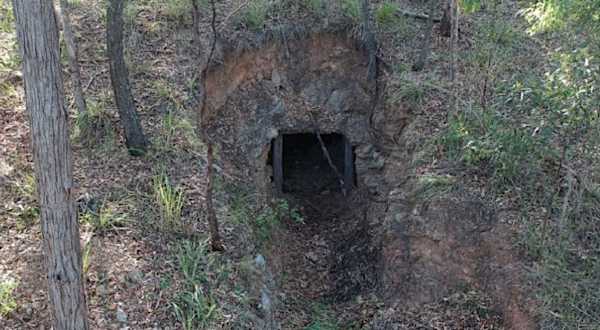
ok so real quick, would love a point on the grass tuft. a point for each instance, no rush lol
(8, 303)
(169, 200)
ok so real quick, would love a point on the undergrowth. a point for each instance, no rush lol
(8, 302)
(195, 307)
(266, 220)
(533, 137)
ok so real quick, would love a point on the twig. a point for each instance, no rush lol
(331, 164)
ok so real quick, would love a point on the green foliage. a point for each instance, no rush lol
(434, 185)
(7, 19)
(25, 211)
(169, 201)
(265, 221)
(316, 6)
(94, 127)
(176, 132)
(105, 219)
(322, 319)
(536, 140)
(174, 10)
(272, 216)
(131, 10)
(351, 9)
(194, 307)
(8, 304)
(255, 14)
(385, 15)
(86, 257)
(469, 6)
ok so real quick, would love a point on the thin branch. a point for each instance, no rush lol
(331, 164)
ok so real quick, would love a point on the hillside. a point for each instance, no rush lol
(464, 195)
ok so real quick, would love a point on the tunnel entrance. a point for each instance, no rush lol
(310, 163)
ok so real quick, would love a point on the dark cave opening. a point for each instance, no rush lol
(300, 164)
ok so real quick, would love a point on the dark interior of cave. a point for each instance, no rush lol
(305, 167)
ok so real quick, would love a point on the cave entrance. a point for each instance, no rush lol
(304, 164)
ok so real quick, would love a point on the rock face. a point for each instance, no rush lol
(418, 250)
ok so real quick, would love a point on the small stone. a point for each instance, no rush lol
(260, 261)
(121, 315)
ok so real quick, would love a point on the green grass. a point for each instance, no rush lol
(316, 6)
(255, 14)
(169, 202)
(322, 319)
(385, 15)
(351, 9)
(106, 218)
(194, 307)
(7, 19)
(265, 221)
(94, 127)
(8, 304)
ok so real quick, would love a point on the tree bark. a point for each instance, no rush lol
(119, 76)
(426, 47)
(446, 22)
(64, 17)
(213, 224)
(453, 51)
(37, 33)
(369, 40)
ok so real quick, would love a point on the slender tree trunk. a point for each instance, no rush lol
(37, 33)
(119, 75)
(426, 47)
(446, 22)
(213, 224)
(369, 39)
(453, 50)
(64, 15)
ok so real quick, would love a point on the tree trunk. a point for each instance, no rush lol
(426, 47)
(446, 22)
(37, 33)
(453, 50)
(119, 76)
(213, 224)
(72, 55)
(369, 40)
